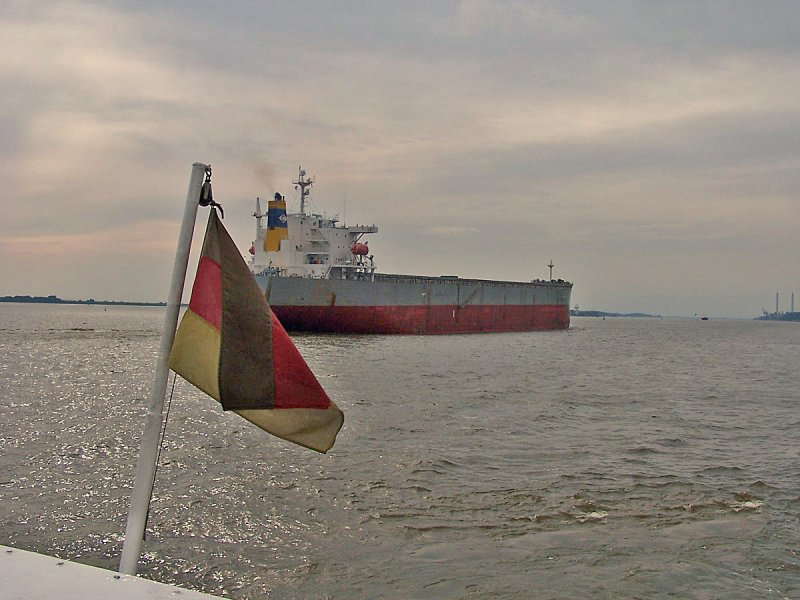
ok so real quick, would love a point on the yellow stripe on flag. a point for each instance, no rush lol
(195, 353)
(310, 427)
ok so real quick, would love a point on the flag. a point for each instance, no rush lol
(230, 345)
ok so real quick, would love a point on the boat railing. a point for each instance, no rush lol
(451, 280)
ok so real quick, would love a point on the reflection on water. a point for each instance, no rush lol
(622, 458)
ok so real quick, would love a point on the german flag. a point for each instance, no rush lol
(230, 345)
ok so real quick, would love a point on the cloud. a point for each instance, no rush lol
(143, 238)
(453, 230)
(484, 138)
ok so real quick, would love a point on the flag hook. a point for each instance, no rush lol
(207, 196)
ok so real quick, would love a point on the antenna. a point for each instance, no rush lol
(303, 182)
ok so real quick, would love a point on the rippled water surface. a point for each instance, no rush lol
(635, 458)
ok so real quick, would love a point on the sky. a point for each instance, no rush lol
(651, 150)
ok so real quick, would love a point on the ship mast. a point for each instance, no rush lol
(303, 182)
(259, 223)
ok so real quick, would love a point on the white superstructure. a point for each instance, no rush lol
(306, 244)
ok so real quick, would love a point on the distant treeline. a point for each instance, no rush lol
(57, 300)
(600, 313)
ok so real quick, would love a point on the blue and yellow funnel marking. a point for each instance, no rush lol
(277, 224)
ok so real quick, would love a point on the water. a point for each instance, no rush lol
(634, 458)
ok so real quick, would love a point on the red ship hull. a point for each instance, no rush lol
(422, 320)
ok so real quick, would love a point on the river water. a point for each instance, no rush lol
(635, 458)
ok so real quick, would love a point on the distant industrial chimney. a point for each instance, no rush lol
(776, 303)
(792, 301)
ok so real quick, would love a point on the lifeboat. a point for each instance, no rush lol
(359, 249)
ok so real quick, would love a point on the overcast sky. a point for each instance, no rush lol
(650, 149)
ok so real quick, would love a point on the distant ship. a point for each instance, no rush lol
(319, 275)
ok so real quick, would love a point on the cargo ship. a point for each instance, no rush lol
(319, 275)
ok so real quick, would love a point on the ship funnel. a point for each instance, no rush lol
(277, 224)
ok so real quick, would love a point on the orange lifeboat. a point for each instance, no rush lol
(359, 249)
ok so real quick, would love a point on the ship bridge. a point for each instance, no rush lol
(309, 245)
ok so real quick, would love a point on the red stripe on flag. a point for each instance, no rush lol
(295, 384)
(206, 301)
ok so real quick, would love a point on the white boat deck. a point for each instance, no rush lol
(29, 576)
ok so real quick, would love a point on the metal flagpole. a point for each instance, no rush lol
(146, 464)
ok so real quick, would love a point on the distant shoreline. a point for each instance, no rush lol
(600, 313)
(52, 299)
(90, 301)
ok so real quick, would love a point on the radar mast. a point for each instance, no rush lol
(303, 182)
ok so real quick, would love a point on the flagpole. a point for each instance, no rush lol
(148, 453)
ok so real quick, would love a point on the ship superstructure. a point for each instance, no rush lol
(306, 244)
(319, 275)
